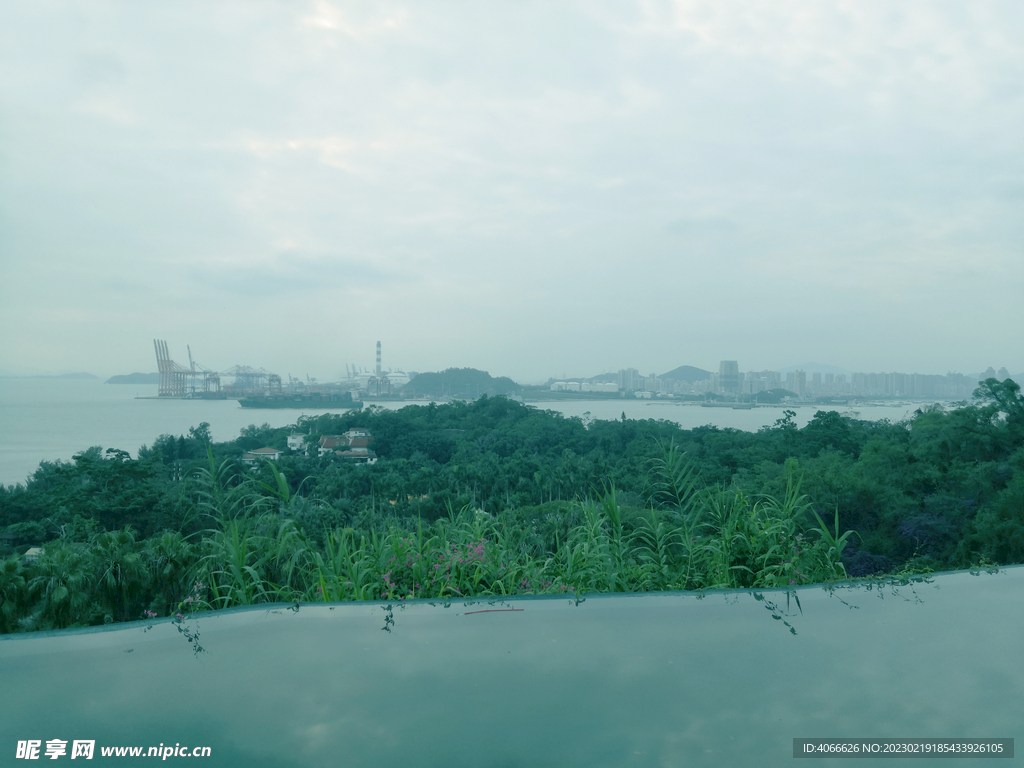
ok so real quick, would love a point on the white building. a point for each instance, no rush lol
(266, 454)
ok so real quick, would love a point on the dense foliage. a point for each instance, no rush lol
(460, 382)
(494, 497)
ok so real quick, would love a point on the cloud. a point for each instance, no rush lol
(354, 23)
(521, 176)
(292, 274)
(703, 225)
(110, 109)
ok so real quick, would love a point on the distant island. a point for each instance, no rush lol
(457, 382)
(134, 378)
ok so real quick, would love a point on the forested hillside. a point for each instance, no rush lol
(460, 382)
(495, 497)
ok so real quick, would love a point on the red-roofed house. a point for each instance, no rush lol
(354, 445)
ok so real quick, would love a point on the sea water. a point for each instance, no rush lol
(53, 419)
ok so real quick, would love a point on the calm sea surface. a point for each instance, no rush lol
(50, 419)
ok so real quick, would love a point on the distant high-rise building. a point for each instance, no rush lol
(796, 382)
(629, 379)
(752, 384)
(729, 377)
(652, 383)
(759, 381)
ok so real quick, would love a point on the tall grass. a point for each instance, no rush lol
(254, 551)
(715, 538)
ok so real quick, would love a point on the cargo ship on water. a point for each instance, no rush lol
(254, 388)
(325, 400)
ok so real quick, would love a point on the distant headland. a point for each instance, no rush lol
(134, 378)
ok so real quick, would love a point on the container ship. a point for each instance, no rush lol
(302, 400)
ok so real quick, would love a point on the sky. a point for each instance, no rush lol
(534, 189)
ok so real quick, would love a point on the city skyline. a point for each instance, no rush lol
(810, 369)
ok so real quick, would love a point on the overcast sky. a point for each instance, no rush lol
(530, 188)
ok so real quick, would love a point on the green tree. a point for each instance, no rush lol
(121, 575)
(170, 560)
(13, 593)
(62, 588)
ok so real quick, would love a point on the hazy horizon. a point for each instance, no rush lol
(530, 189)
(807, 367)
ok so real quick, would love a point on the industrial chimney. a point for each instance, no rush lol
(378, 359)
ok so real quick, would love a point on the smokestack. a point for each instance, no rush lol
(378, 359)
